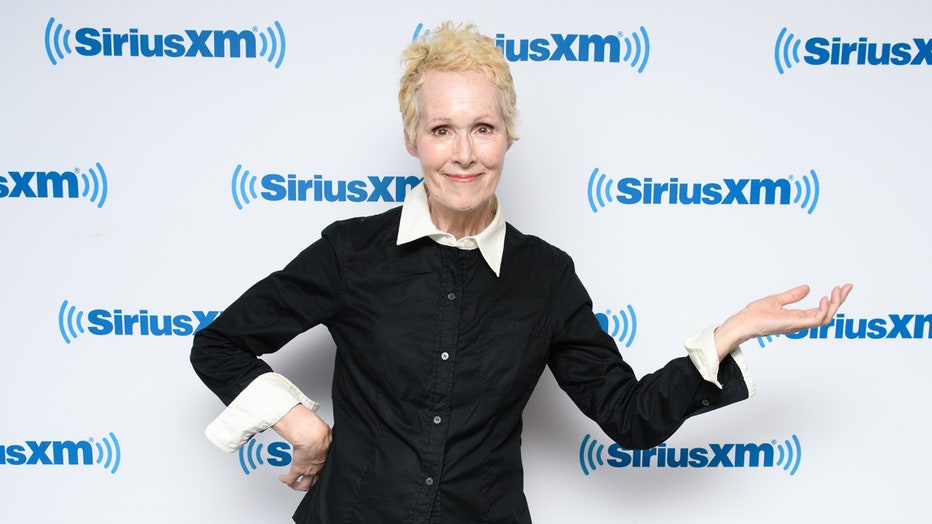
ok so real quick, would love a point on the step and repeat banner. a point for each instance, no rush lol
(157, 158)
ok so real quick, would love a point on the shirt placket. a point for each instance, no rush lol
(440, 388)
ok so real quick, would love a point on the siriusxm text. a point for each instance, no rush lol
(557, 47)
(745, 455)
(863, 52)
(116, 322)
(206, 43)
(39, 184)
(728, 192)
(55, 452)
(892, 326)
(317, 189)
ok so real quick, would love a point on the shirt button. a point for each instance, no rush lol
(451, 296)
(470, 243)
(429, 481)
(444, 356)
(705, 402)
(437, 420)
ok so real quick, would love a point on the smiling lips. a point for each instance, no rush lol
(463, 178)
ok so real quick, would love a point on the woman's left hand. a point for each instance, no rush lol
(769, 316)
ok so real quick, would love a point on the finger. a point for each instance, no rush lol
(793, 295)
(293, 476)
(840, 293)
(298, 483)
(828, 306)
(845, 290)
(304, 482)
(289, 478)
(838, 296)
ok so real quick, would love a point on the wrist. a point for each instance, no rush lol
(727, 337)
(300, 426)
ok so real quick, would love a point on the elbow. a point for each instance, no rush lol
(639, 437)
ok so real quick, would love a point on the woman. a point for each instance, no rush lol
(444, 317)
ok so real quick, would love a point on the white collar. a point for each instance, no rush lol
(416, 223)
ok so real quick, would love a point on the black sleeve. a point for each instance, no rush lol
(635, 413)
(267, 316)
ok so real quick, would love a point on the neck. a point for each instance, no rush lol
(466, 223)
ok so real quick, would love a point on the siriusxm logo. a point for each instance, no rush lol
(790, 191)
(835, 51)
(892, 326)
(104, 452)
(90, 184)
(621, 326)
(103, 322)
(254, 454)
(204, 43)
(633, 49)
(290, 188)
(771, 454)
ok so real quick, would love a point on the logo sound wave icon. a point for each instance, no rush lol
(622, 326)
(250, 456)
(786, 51)
(599, 185)
(243, 186)
(640, 48)
(58, 40)
(70, 321)
(95, 185)
(590, 453)
(274, 44)
(792, 454)
(108, 452)
(807, 192)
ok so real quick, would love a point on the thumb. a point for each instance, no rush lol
(793, 295)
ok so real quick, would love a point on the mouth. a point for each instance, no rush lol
(463, 179)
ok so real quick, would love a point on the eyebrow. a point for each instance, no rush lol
(446, 120)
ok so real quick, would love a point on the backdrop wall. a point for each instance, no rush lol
(690, 156)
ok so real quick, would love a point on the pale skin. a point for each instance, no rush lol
(461, 144)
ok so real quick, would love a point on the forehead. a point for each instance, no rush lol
(445, 94)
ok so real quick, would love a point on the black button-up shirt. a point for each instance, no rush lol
(436, 359)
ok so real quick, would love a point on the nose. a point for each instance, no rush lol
(464, 153)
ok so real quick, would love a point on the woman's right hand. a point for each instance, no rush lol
(310, 439)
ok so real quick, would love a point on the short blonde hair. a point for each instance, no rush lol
(452, 48)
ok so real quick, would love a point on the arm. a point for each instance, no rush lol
(266, 317)
(225, 356)
(643, 412)
(636, 413)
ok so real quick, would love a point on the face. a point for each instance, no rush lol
(461, 142)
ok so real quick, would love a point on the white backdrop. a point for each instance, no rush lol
(126, 194)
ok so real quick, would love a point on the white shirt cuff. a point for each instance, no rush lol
(263, 403)
(704, 355)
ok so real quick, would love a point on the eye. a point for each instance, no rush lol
(440, 131)
(484, 129)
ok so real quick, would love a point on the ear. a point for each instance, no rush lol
(410, 146)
